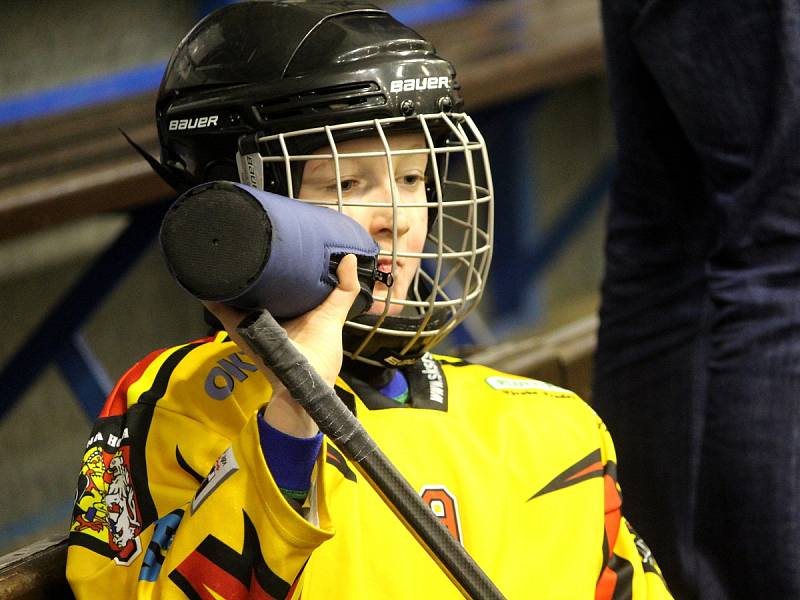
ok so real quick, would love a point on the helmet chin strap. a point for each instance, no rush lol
(385, 349)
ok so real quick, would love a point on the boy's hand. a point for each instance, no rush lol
(316, 334)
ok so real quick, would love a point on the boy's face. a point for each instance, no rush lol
(366, 181)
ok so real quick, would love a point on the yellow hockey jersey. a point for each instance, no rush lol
(175, 500)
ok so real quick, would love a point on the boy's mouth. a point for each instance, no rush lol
(385, 265)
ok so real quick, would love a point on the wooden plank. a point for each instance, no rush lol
(511, 49)
(36, 572)
(563, 357)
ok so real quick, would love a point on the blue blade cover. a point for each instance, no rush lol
(229, 242)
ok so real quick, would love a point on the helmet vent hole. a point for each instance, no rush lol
(323, 100)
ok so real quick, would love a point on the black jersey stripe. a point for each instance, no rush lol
(139, 418)
(245, 568)
(159, 386)
(187, 467)
(78, 538)
(337, 460)
(588, 467)
(454, 362)
(623, 590)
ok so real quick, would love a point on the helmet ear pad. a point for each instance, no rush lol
(221, 170)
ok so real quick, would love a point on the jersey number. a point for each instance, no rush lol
(443, 504)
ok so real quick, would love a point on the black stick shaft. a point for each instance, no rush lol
(270, 342)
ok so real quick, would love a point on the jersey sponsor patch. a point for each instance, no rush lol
(224, 467)
(499, 382)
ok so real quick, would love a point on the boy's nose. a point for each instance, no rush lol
(384, 217)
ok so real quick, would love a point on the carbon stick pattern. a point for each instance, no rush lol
(270, 342)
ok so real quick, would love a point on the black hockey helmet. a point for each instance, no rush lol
(256, 87)
(270, 67)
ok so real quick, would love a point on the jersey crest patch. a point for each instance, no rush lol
(106, 507)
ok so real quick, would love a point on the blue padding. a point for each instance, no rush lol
(304, 237)
(300, 241)
(428, 11)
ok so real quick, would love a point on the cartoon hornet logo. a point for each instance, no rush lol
(123, 521)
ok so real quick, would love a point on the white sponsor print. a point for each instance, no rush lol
(431, 370)
(499, 382)
(194, 123)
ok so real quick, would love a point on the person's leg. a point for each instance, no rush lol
(730, 73)
(650, 366)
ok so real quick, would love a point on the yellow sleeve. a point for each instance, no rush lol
(629, 568)
(237, 535)
(147, 524)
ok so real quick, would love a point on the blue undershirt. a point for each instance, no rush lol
(291, 459)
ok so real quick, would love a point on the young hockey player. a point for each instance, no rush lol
(203, 478)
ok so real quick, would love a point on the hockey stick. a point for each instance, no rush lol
(269, 340)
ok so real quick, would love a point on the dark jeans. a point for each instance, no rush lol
(698, 360)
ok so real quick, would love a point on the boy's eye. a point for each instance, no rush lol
(412, 179)
(347, 185)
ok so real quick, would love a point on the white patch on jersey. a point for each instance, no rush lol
(499, 382)
(224, 467)
(431, 370)
(123, 521)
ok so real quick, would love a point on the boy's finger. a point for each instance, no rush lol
(343, 296)
(347, 274)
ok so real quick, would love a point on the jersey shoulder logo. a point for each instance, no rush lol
(106, 517)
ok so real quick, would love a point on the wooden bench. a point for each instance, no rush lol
(36, 572)
(69, 166)
(564, 358)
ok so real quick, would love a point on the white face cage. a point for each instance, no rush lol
(457, 252)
